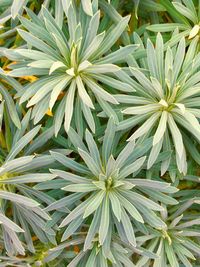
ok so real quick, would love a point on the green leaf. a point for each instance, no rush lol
(105, 220)
(176, 135)
(87, 7)
(68, 176)
(93, 46)
(30, 178)
(69, 105)
(133, 167)
(128, 228)
(72, 227)
(118, 55)
(112, 37)
(16, 6)
(108, 140)
(94, 168)
(142, 109)
(11, 225)
(145, 127)
(93, 229)
(161, 128)
(94, 151)
(80, 188)
(116, 206)
(166, 27)
(37, 43)
(23, 142)
(79, 210)
(18, 199)
(82, 92)
(186, 12)
(116, 84)
(10, 106)
(88, 117)
(94, 204)
(171, 255)
(97, 90)
(57, 90)
(130, 208)
(154, 153)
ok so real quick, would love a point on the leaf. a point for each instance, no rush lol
(142, 79)
(112, 37)
(11, 225)
(45, 89)
(64, 202)
(30, 178)
(93, 229)
(176, 135)
(136, 198)
(116, 206)
(128, 228)
(36, 42)
(69, 105)
(79, 210)
(94, 151)
(87, 7)
(72, 227)
(105, 219)
(156, 185)
(154, 153)
(16, 6)
(84, 65)
(91, 31)
(118, 55)
(82, 93)
(19, 199)
(171, 255)
(94, 168)
(133, 167)
(77, 259)
(23, 142)
(173, 12)
(145, 127)
(15, 163)
(97, 90)
(178, 60)
(131, 209)
(102, 68)
(161, 128)
(57, 90)
(186, 12)
(166, 27)
(88, 117)
(72, 21)
(11, 106)
(142, 109)
(56, 65)
(117, 84)
(108, 140)
(80, 188)
(59, 115)
(68, 176)
(93, 46)
(41, 64)
(194, 31)
(94, 204)
(124, 154)
(37, 29)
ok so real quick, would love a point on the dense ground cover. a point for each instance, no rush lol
(99, 133)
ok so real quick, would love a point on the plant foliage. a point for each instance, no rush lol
(99, 133)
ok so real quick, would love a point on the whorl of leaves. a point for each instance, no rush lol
(99, 133)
